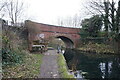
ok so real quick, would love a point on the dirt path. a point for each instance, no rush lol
(49, 67)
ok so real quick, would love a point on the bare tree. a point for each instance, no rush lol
(60, 22)
(2, 6)
(14, 9)
(70, 21)
(76, 21)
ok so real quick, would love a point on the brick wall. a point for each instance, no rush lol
(49, 31)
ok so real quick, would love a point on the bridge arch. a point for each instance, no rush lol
(68, 42)
(68, 35)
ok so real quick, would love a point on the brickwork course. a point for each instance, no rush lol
(69, 35)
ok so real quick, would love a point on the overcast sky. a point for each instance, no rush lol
(49, 11)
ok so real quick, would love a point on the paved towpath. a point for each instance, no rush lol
(49, 67)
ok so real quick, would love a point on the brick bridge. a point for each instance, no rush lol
(37, 31)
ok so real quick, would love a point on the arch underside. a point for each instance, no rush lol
(68, 42)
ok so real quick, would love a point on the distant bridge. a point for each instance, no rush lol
(69, 36)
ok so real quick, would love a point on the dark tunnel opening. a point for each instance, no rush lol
(68, 42)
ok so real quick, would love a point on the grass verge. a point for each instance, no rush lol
(63, 68)
(30, 68)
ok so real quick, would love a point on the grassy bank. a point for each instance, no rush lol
(97, 48)
(63, 68)
(30, 68)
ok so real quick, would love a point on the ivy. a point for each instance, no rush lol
(10, 57)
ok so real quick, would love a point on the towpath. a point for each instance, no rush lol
(49, 66)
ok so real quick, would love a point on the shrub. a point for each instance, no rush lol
(10, 57)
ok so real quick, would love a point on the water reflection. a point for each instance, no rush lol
(103, 68)
(91, 65)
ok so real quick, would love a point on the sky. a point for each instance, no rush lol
(49, 11)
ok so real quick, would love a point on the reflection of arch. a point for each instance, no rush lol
(68, 42)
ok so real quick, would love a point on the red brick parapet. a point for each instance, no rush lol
(37, 30)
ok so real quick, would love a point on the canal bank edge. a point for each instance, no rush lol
(98, 48)
(63, 71)
(91, 51)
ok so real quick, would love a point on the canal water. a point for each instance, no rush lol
(92, 65)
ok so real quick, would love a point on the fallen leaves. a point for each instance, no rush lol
(30, 68)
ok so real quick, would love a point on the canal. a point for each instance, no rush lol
(92, 65)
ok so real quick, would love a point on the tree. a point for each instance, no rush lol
(109, 12)
(76, 20)
(2, 6)
(118, 18)
(95, 24)
(106, 16)
(84, 30)
(92, 25)
(14, 9)
(70, 21)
